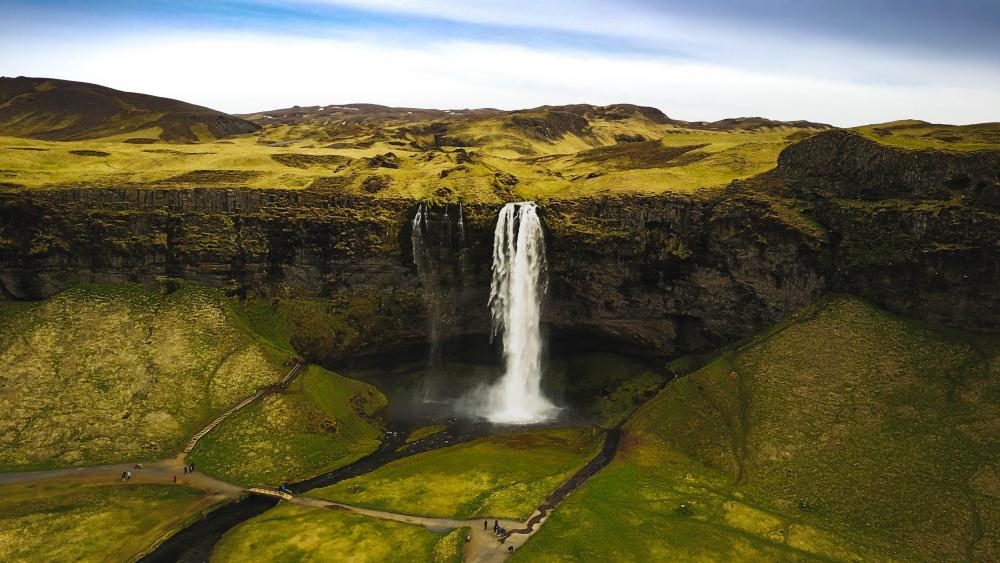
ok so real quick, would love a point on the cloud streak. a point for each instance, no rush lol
(416, 53)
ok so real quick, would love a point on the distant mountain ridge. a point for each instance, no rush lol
(63, 110)
(357, 112)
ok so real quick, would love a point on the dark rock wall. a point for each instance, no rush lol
(665, 273)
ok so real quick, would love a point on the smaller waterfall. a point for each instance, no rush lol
(428, 278)
(519, 283)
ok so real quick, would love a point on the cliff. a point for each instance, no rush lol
(667, 272)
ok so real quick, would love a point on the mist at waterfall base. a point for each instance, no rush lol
(518, 285)
(516, 291)
(523, 372)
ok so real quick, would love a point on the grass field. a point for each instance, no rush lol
(913, 134)
(102, 374)
(843, 433)
(295, 533)
(528, 155)
(72, 521)
(505, 475)
(322, 422)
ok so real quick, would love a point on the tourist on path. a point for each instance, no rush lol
(175, 479)
(485, 522)
(128, 475)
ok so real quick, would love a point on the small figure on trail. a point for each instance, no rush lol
(468, 538)
(485, 522)
(510, 549)
(185, 470)
(175, 479)
(192, 468)
(123, 475)
(128, 475)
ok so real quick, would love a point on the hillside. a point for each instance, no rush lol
(106, 374)
(841, 433)
(62, 110)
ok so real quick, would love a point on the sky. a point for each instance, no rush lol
(844, 62)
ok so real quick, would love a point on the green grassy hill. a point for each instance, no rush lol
(324, 421)
(102, 374)
(843, 433)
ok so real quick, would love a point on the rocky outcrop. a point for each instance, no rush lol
(915, 231)
(847, 165)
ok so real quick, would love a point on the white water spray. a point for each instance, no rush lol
(519, 282)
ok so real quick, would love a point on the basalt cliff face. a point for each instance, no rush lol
(915, 232)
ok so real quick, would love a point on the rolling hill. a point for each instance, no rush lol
(62, 110)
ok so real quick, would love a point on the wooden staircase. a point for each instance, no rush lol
(280, 386)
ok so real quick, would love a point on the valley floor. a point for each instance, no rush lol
(843, 433)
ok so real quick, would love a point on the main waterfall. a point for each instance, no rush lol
(519, 282)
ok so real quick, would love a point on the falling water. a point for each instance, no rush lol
(425, 270)
(519, 282)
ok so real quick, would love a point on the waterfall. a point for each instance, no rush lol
(519, 282)
(425, 271)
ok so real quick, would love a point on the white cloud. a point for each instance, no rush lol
(250, 72)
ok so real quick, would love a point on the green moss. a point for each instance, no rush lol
(72, 521)
(103, 374)
(505, 475)
(919, 135)
(449, 548)
(842, 433)
(322, 422)
(295, 533)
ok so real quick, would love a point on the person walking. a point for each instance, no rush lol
(128, 475)
(175, 479)
(123, 476)
(485, 522)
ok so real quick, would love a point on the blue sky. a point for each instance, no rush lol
(846, 62)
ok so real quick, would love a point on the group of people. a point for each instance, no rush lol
(126, 475)
(189, 468)
(498, 530)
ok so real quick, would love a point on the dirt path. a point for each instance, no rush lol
(162, 471)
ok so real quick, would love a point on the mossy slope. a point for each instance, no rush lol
(103, 374)
(322, 422)
(843, 433)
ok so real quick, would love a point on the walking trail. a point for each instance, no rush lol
(483, 546)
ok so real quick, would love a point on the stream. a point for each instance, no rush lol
(195, 543)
